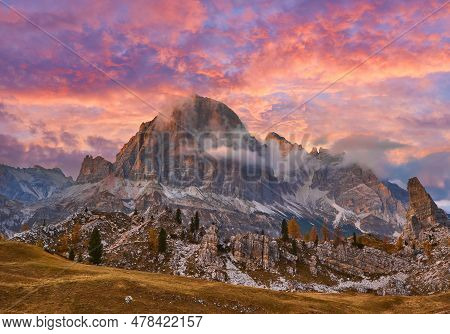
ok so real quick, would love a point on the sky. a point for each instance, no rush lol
(384, 87)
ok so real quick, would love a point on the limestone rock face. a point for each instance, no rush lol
(358, 189)
(254, 250)
(208, 246)
(423, 213)
(94, 169)
(174, 150)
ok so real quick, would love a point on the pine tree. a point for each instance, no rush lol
(95, 247)
(195, 222)
(355, 241)
(294, 247)
(337, 236)
(178, 218)
(284, 230)
(71, 254)
(162, 241)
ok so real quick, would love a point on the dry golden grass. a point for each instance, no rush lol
(32, 281)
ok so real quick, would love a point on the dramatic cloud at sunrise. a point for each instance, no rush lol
(261, 58)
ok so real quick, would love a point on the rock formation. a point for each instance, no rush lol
(423, 214)
(208, 246)
(94, 169)
(254, 250)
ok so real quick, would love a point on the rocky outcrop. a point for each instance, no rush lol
(208, 246)
(423, 215)
(254, 250)
(94, 169)
(358, 190)
(360, 262)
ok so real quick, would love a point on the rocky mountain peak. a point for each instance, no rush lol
(199, 114)
(94, 169)
(285, 145)
(314, 151)
(423, 213)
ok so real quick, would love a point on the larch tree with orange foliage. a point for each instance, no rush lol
(294, 229)
(153, 240)
(75, 236)
(313, 236)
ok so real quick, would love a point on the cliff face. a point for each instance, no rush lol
(202, 143)
(423, 214)
(94, 169)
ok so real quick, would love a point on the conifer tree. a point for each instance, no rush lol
(337, 236)
(293, 229)
(325, 234)
(355, 241)
(294, 247)
(153, 239)
(178, 218)
(95, 247)
(195, 222)
(162, 241)
(71, 254)
(313, 236)
(399, 244)
(284, 230)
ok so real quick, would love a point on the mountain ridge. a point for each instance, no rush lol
(231, 179)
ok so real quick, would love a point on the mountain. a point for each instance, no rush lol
(28, 185)
(359, 263)
(200, 157)
(94, 169)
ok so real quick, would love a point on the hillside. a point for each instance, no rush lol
(33, 281)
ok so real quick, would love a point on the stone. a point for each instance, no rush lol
(254, 250)
(94, 169)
